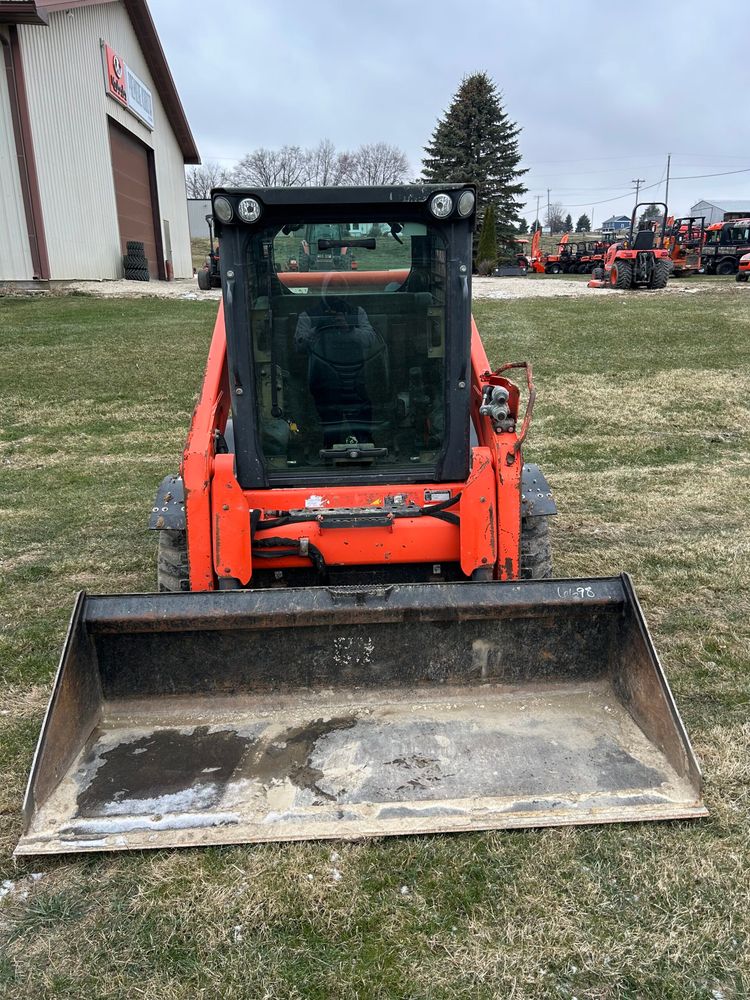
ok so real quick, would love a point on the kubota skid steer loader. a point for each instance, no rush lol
(362, 636)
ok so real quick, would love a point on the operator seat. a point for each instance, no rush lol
(348, 376)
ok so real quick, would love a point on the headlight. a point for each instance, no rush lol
(223, 209)
(249, 210)
(441, 205)
(466, 203)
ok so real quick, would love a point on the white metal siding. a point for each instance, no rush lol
(15, 258)
(712, 212)
(198, 209)
(68, 108)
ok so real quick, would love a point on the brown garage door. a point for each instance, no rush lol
(134, 194)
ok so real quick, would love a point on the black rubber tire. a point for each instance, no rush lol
(536, 549)
(725, 267)
(598, 274)
(204, 280)
(741, 277)
(135, 247)
(552, 269)
(661, 273)
(621, 274)
(137, 274)
(172, 571)
(130, 262)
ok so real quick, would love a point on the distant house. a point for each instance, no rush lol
(721, 211)
(615, 224)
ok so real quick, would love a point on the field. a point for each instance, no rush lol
(643, 428)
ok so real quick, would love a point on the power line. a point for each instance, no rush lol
(648, 187)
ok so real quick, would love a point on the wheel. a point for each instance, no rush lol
(598, 274)
(660, 274)
(727, 266)
(552, 269)
(135, 247)
(741, 277)
(204, 280)
(172, 571)
(536, 549)
(137, 274)
(621, 275)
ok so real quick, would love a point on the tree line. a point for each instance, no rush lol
(374, 163)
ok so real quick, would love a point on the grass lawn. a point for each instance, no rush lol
(643, 428)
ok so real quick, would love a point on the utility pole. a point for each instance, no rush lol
(538, 197)
(548, 222)
(637, 181)
(666, 190)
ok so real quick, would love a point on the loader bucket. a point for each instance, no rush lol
(233, 717)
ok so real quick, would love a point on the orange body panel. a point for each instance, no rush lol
(343, 279)
(486, 539)
(211, 412)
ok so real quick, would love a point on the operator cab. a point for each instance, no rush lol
(355, 373)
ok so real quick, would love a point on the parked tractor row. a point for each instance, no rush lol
(686, 243)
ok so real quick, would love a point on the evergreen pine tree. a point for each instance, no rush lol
(568, 224)
(584, 224)
(487, 246)
(523, 227)
(475, 141)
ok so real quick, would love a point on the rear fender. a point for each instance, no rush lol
(168, 511)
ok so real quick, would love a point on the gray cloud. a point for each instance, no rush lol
(608, 90)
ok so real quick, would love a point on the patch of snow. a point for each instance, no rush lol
(336, 875)
(125, 824)
(189, 800)
(237, 933)
(405, 890)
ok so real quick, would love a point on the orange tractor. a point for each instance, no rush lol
(684, 239)
(640, 261)
(356, 631)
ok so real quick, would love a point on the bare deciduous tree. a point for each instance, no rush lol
(324, 167)
(283, 167)
(199, 180)
(555, 218)
(378, 163)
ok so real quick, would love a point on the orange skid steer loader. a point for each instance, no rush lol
(356, 631)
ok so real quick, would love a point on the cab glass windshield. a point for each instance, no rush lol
(347, 326)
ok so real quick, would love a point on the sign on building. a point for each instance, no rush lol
(122, 84)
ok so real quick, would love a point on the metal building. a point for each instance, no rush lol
(198, 209)
(93, 142)
(721, 211)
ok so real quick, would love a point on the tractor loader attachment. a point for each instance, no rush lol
(186, 719)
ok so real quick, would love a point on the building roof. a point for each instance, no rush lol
(21, 12)
(727, 206)
(616, 218)
(37, 12)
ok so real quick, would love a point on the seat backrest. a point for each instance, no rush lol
(644, 240)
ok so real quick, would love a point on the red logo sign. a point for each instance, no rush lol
(116, 83)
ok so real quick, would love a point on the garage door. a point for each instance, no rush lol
(134, 194)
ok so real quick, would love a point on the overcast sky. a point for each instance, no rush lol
(602, 92)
